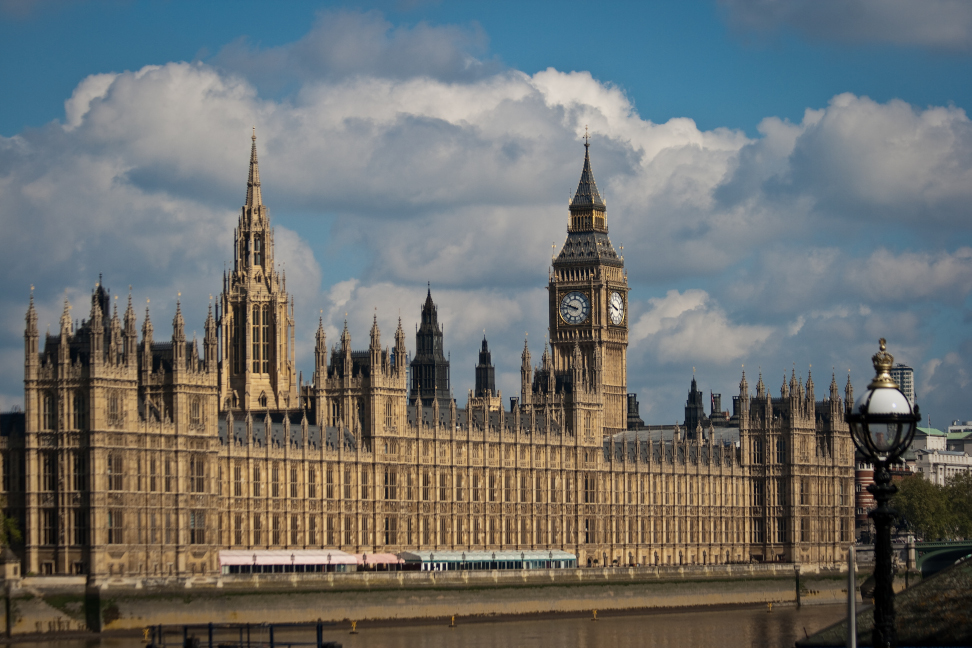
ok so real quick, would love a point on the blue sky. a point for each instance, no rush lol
(790, 180)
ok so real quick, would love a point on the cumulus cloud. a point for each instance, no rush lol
(683, 326)
(434, 165)
(935, 24)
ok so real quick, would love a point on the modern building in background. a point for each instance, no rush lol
(905, 377)
(142, 456)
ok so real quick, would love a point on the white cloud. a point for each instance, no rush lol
(681, 327)
(437, 168)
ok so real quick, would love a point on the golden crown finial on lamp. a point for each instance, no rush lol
(882, 361)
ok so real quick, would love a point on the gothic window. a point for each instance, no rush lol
(255, 332)
(295, 530)
(758, 531)
(757, 451)
(507, 488)
(275, 480)
(263, 399)
(115, 527)
(365, 486)
(256, 480)
(459, 487)
(238, 529)
(781, 450)
(347, 483)
(257, 250)
(275, 527)
(49, 421)
(80, 411)
(195, 412)
(426, 486)
(330, 483)
(197, 527)
(348, 531)
(239, 339)
(48, 471)
(391, 484)
(391, 530)
(589, 492)
(80, 524)
(475, 487)
(443, 487)
(804, 491)
(114, 465)
(312, 483)
(197, 474)
(840, 487)
(388, 414)
(312, 530)
(79, 472)
(492, 487)
(257, 530)
(539, 487)
(294, 486)
(804, 530)
(266, 339)
(757, 493)
(524, 488)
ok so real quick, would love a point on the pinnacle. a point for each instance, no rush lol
(587, 195)
(254, 198)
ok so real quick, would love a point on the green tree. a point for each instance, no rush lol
(958, 492)
(925, 508)
(9, 530)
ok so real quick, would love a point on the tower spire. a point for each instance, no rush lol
(253, 195)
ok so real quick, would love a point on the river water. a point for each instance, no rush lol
(747, 627)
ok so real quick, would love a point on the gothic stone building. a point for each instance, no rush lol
(141, 457)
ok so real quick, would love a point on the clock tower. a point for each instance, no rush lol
(589, 299)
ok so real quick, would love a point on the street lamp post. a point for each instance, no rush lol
(882, 425)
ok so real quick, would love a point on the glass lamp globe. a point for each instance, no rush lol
(882, 422)
(883, 419)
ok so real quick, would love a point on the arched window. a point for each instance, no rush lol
(80, 411)
(195, 412)
(263, 399)
(388, 414)
(266, 339)
(258, 250)
(50, 412)
(256, 338)
(114, 408)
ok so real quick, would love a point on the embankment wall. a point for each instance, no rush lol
(51, 605)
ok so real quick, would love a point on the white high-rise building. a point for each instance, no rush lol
(905, 377)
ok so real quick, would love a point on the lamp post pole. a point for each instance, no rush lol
(884, 634)
(882, 424)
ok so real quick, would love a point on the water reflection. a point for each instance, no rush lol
(719, 628)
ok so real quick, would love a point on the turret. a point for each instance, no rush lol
(31, 336)
(64, 350)
(811, 399)
(374, 348)
(760, 388)
(485, 372)
(400, 351)
(131, 334)
(115, 343)
(848, 394)
(209, 342)
(178, 339)
(146, 344)
(526, 374)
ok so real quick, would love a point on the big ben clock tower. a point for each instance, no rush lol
(589, 298)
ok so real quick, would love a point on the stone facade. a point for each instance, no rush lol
(143, 458)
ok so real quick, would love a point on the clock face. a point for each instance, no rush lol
(575, 307)
(616, 308)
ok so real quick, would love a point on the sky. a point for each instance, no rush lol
(790, 181)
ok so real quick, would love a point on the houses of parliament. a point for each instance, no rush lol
(139, 454)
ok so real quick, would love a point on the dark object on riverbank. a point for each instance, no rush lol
(936, 612)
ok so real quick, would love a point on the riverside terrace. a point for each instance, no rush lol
(305, 561)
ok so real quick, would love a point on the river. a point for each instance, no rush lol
(742, 627)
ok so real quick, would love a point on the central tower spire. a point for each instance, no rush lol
(253, 196)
